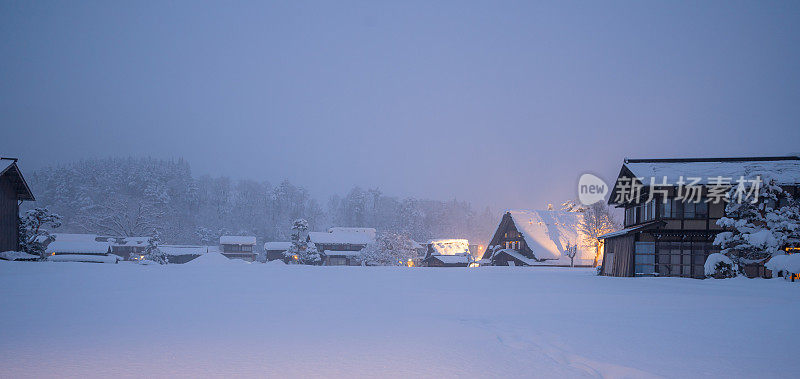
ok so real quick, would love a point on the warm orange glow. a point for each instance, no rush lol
(295, 257)
(410, 263)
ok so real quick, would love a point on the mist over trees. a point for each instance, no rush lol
(135, 196)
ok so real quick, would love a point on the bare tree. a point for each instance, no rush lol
(121, 218)
(596, 221)
(572, 251)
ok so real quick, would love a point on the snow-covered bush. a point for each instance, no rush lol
(756, 231)
(784, 265)
(33, 239)
(302, 251)
(719, 266)
(388, 249)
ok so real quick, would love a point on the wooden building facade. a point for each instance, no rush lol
(238, 247)
(507, 246)
(275, 250)
(667, 236)
(341, 246)
(13, 190)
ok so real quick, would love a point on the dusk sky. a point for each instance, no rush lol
(500, 103)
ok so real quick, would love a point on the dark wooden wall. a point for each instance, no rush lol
(9, 215)
(622, 248)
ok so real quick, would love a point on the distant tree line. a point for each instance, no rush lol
(138, 196)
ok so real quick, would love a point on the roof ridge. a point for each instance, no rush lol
(721, 159)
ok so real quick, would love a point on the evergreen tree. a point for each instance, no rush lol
(756, 230)
(33, 234)
(152, 251)
(302, 251)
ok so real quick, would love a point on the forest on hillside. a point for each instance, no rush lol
(137, 196)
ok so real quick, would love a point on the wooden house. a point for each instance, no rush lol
(447, 261)
(80, 248)
(341, 246)
(126, 247)
(274, 250)
(182, 253)
(537, 238)
(447, 252)
(664, 236)
(238, 247)
(13, 190)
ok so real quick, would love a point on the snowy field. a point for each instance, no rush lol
(237, 319)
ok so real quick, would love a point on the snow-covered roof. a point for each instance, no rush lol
(452, 259)
(547, 233)
(237, 240)
(94, 258)
(352, 236)
(74, 237)
(283, 246)
(628, 230)
(783, 171)
(16, 255)
(5, 164)
(341, 253)
(340, 229)
(214, 259)
(175, 250)
(128, 241)
(113, 241)
(62, 246)
(519, 256)
(9, 165)
(449, 246)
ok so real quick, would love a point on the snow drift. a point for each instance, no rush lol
(214, 259)
(250, 320)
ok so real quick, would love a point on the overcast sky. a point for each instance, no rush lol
(499, 103)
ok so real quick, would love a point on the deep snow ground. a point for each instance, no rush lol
(75, 319)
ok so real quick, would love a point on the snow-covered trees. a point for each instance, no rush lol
(388, 249)
(120, 196)
(152, 252)
(123, 218)
(571, 251)
(302, 251)
(132, 196)
(596, 221)
(572, 206)
(756, 230)
(33, 233)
